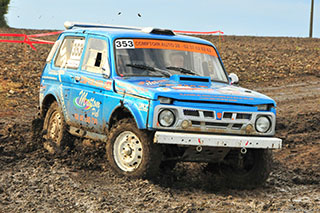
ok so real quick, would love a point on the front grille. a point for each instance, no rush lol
(237, 126)
(208, 114)
(227, 115)
(189, 112)
(196, 123)
(243, 116)
(207, 120)
(216, 125)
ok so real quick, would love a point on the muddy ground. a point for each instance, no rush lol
(287, 69)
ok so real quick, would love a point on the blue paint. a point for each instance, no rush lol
(89, 99)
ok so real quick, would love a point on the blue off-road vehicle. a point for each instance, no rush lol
(155, 98)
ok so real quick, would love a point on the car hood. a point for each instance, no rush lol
(190, 90)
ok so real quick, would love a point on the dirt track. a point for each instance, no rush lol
(287, 69)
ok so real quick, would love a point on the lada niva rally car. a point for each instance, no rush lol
(155, 98)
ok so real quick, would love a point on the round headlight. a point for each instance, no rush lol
(166, 118)
(263, 124)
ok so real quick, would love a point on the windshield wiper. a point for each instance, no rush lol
(183, 70)
(149, 68)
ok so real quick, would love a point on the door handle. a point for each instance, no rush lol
(77, 78)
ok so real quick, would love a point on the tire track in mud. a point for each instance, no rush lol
(293, 92)
(298, 111)
(298, 124)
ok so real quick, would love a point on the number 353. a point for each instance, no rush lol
(124, 44)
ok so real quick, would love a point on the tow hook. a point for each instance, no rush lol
(199, 148)
(243, 150)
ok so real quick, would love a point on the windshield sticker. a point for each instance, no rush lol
(172, 45)
(124, 44)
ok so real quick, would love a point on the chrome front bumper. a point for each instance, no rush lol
(194, 139)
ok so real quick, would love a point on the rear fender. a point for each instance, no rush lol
(57, 93)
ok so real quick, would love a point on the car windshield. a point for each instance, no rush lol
(163, 58)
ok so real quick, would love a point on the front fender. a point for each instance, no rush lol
(139, 108)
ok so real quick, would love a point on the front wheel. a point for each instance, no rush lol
(131, 152)
(246, 171)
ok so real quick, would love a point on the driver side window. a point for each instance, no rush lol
(96, 57)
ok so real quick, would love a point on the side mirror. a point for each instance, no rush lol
(234, 78)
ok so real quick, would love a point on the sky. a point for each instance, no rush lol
(289, 18)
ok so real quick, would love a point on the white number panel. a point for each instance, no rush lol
(124, 44)
(77, 49)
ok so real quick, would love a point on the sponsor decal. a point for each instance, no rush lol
(217, 97)
(150, 83)
(53, 72)
(82, 102)
(130, 88)
(236, 91)
(143, 107)
(163, 89)
(76, 53)
(107, 85)
(64, 109)
(173, 45)
(183, 88)
(49, 77)
(85, 118)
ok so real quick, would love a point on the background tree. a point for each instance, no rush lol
(3, 10)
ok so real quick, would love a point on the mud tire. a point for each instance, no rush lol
(56, 137)
(255, 172)
(147, 160)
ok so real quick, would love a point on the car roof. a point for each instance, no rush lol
(115, 33)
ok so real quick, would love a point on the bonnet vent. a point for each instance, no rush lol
(195, 79)
(191, 79)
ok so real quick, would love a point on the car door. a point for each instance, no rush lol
(91, 84)
(66, 63)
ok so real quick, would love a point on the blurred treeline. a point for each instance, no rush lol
(3, 10)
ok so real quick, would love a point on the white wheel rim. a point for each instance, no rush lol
(127, 151)
(55, 126)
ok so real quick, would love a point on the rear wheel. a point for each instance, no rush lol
(57, 137)
(246, 171)
(131, 152)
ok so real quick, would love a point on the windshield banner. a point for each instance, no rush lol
(174, 45)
